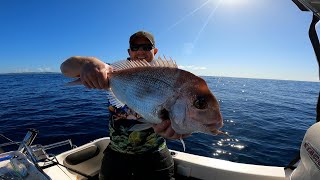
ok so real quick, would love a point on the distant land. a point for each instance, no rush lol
(30, 73)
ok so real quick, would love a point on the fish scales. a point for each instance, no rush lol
(144, 89)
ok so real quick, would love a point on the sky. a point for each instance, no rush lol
(265, 39)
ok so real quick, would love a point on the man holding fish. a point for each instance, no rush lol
(149, 100)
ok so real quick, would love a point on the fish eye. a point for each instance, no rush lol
(200, 102)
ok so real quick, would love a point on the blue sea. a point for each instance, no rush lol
(266, 119)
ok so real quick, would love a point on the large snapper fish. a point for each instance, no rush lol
(160, 90)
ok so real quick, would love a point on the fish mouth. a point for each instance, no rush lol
(213, 130)
(218, 132)
(213, 127)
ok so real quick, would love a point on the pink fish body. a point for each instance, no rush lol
(160, 90)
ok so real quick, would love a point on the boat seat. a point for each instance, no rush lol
(82, 155)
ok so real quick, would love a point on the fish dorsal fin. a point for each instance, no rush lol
(129, 64)
(113, 100)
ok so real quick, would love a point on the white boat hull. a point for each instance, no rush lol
(186, 165)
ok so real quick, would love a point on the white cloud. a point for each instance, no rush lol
(23, 70)
(192, 67)
(27, 70)
(44, 69)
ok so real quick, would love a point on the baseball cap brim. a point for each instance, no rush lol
(144, 34)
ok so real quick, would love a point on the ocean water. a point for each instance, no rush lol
(266, 119)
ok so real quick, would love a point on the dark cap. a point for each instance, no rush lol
(145, 34)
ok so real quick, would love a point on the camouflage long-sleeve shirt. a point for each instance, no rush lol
(131, 142)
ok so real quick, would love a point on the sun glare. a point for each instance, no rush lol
(235, 3)
(232, 3)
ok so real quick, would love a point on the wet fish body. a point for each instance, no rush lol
(161, 90)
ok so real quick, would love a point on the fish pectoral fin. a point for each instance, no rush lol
(75, 82)
(140, 127)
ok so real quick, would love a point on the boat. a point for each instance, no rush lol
(33, 161)
(83, 162)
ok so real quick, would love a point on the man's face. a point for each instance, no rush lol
(140, 50)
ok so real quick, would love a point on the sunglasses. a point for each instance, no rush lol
(145, 47)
